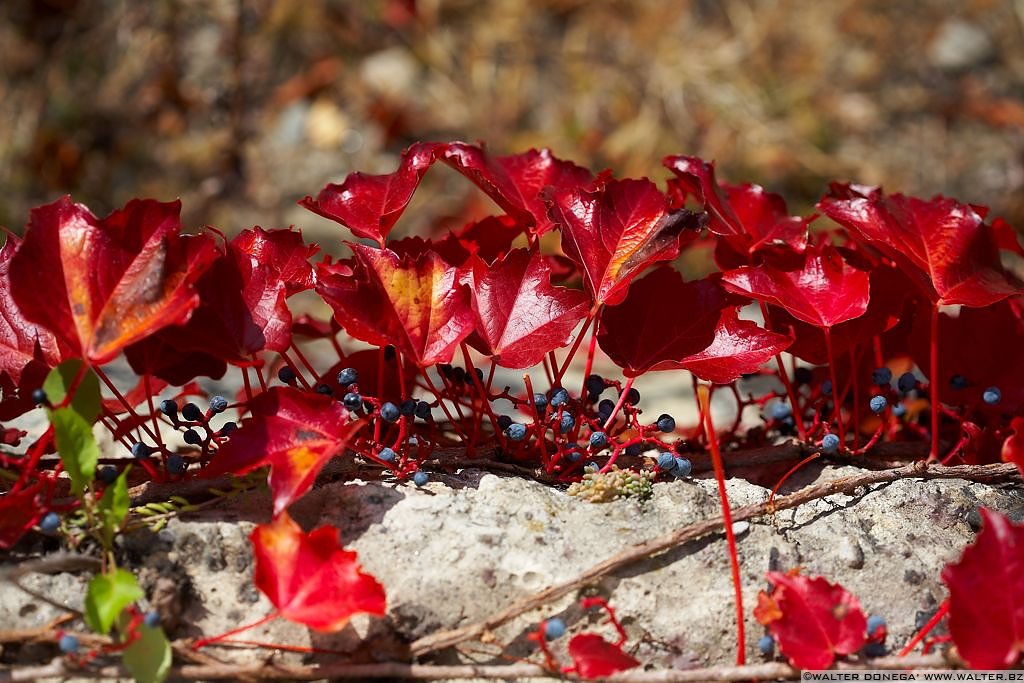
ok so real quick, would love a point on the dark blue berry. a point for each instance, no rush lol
(598, 440)
(352, 401)
(992, 396)
(503, 422)
(899, 410)
(227, 428)
(958, 382)
(420, 478)
(666, 461)
(683, 468)
(390, 352)
(566, 423)
(191, 412)
(348, 376)
(595, 385)
(50, 522)
(408, 407)
(878, 404)
(605, 408)
(875, 650)
(554, 628)
(881, 376)
(574, 456)
(168, 407)
(68, 644)
(324, 389)
(389, 412)
(152, 619)
(632, 396)
(107, 474)
(39, 397)
(540, 402)
(907, 382)
(802, 375)
(830, 443)
(766, 646)
(140, 450)
(218, 404)
(875, 622)
(446, 370)
(826, 387)
(780, 410)
(286, 374)
(191, 436)
(175, 464)
(516, 431)
(387, 455)
(634, 449)
(459, 374)
(666, 423)
(558, 397)
(423, 410)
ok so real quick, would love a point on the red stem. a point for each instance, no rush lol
(590, 358)
(575, 345)
(837, 411)
(245, 383)
(933, 454)
(124, 402)
(926, 629)
(790, 473)
(798, 416)
(295, 369)
(241, 629)
(152, 411)
(618, 406)
(856, 400)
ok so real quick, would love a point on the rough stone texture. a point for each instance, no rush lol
(468, 544)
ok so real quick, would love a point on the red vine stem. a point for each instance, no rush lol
(241, 629)
(933, 454)
(618, 406)
(123, 401)
(927, 628)
(836, 402)
(576, 345)
(798, 416)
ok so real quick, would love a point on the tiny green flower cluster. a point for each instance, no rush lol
(596, 487)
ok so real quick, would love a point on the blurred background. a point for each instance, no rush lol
(241, 107)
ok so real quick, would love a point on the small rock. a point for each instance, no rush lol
(850, 552)
(960, 45)
(740, 528)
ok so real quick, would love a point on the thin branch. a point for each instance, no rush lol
(643, 551)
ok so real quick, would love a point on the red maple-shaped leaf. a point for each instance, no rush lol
(986, 595)
(811, 619)
(1013, 445)
(515, 182)
(419, 305)
(520, 316)
(824, 292)
(19, 511)
(101, 284)
(616, 231)
(739, 347)
(370, 205)
(638, 336)
(489, 238)
(944, 245)
(309, 578)
(594, 657)
(21, 342)
(696, 177)
(295, 432)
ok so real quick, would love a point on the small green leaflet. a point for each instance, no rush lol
(148, 658)
(86, 401)
(114, 506)
(107, 596)
(72, 424)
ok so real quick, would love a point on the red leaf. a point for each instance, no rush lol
(697, 177)
(638, 336)
(101, 284)
(309, 578)
(615, 232)
(295, 432)
(515, 182)
(418, 306)
(20, 511)
(595, 657)
(370, 205)
(159, 357)
(366, 363)
(986, 595)
(811, 619)
(739, 347)
(943, 244)
(490, 238)
(519, 314)
(21, 342)
(825, 292)
(1013, 446)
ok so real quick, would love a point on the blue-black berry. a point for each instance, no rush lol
(140, 450)
(595, 385)
(50, 522)
(286, 374)
(666, 461)
(780, 410)
(958, 382)
(420, 478)
(408, 407)
(68, 644)
(632, 396)
(348, 376)
(352, 401)
(907, 382)
(554, 628)
(516, 431)
(875, 650)
(802, 375)
(566, 423)
(423, 410)
(605, 408)
(503, 422)
(683, 468)
(192, 437)
(875, 622)
(389, 412)
(899, 410)
(574, 456)
(175, 464)
(881, 376)
(152, 619)
(218, 404)
(766, 646)
(830, 443)
(227, 428)
(666, 423)
(191, 412)
(826, 387)
(598, 440)
(558, 397)
(387, 455)
(634, 449)
(992, 396)
(540, 402)
(324, 389)
(878, 404)
(169, 408)
(107, 474)
(39, 397)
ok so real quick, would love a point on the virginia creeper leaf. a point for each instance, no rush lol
(86, 400)
(76, 445)
(595, 657)
(697, 177)
(108, 594)
(1013, 445)
(519, 314)
(148, 658)
(101, 284)
(20, 511)
(293, 431)
(986, 595)
(21, 342)
(114, 505)
(309, 577)
(740, 347)
(811, 619)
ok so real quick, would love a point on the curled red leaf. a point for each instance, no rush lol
(594, 657)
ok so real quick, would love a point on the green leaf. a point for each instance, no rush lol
(148, 658)
(114, 506)
(86, 400)
(76, 445)
(107, 596)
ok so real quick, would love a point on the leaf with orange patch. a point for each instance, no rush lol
(309, 578)
(101, 284)
(295, 432)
